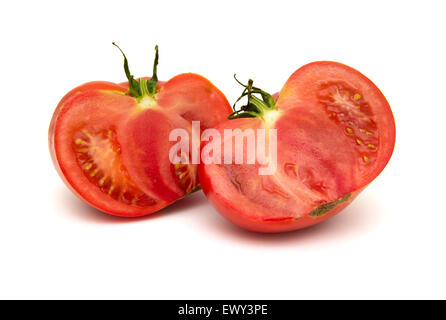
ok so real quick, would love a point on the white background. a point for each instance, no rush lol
(390, 243)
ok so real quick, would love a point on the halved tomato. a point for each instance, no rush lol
(335, 134)
(110, 142)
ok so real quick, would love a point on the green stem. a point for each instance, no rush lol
(152, 83)
(255, 107)
(142, 88)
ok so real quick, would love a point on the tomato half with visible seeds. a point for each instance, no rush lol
(110, 142)
(335, 134)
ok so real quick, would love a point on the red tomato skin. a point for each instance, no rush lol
(234, 211)
(192, 106)
(243, 214)
(93, 85)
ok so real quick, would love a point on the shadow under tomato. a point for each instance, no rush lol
(78, 209)
(358, 218)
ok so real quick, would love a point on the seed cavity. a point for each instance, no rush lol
(98, 154)
(185, 173)
(350, 109)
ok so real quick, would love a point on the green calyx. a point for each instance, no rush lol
(141, 88)
(255, 107)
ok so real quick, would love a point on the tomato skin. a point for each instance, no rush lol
(93, 85)
(235, 213)
(309, 131)
(142, 137)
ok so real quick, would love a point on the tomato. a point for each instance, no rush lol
(110, 142)
(335, 134)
